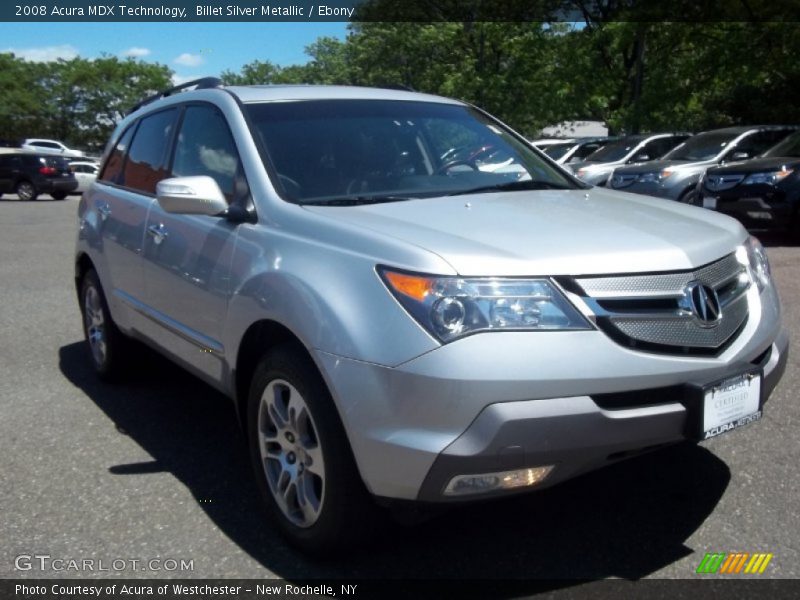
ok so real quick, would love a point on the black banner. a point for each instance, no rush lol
(396, 10)
(703, 586)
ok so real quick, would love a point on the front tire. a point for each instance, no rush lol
(58, 195)
(108, 346)
(303, 464)
(688, 197)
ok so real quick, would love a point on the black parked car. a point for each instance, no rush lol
(763, 193)
(28, 175)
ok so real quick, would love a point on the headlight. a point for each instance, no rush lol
(771, 177)
(648, 177)
(754, 257)
(452, 307)
(655, 176)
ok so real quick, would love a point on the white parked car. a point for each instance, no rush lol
(49, 147)
(85, 172)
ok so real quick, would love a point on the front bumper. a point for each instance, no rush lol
(500, 401)
(574, 434)
(757, 209)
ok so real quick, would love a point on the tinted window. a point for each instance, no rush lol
(755, 144)
(328, 150)
(556, 151)
(149, 152)
(615, 150)
(46, 145)
(586, 149)
(703, 146)
(205, 147)
(788, 147)
(658, 148)
(113, 169)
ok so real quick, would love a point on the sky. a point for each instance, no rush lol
(191, 50)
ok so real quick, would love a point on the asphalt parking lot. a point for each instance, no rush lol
(156, 469)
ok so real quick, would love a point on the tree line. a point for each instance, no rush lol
(635, 76)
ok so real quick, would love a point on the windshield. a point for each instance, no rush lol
(703, 146)
(788, 147)
(378, 150)
(556, 151)
(615, 151)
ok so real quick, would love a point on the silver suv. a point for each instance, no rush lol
(676, 175)
(399, 313)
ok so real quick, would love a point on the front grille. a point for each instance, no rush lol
(622, 179)
(655, 312)
(684, 332)
(718, 183)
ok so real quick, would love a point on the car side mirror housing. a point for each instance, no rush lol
(643, 157)
(197, 195)
(740, 155)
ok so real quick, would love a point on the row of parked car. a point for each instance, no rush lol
(41, 166)
(749, 172)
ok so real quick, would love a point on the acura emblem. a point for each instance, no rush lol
(704, 304)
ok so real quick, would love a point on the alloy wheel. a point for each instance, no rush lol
(291, 453)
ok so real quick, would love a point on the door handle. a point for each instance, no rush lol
(104, 210)
(158, 232)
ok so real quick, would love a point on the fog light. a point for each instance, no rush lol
(462, 485)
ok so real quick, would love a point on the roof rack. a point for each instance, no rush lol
(203, 83)
(395, 86)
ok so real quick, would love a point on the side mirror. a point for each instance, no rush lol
(740, 155)
(643, 157)
(198, 195)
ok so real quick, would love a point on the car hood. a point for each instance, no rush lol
(564, 232)
(759, 165)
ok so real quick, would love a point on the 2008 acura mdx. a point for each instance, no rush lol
(395, 323)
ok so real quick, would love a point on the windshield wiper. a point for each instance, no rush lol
(355, 200)
(513, 186)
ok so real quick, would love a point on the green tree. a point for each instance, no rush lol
(77, 101)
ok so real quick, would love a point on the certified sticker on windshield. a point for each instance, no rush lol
(731, 404)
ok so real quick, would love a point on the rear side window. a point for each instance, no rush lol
(112, 173)
(149, 152)
(205, 146)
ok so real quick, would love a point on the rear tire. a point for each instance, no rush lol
(58, 195)
(109, 348)
(26, 191)
(302, 461)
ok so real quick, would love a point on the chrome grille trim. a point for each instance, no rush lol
(717, 183)
(653, 312)
(684, 330)
(636, 286)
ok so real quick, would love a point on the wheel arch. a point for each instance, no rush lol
(82, 266)
(260, 337)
